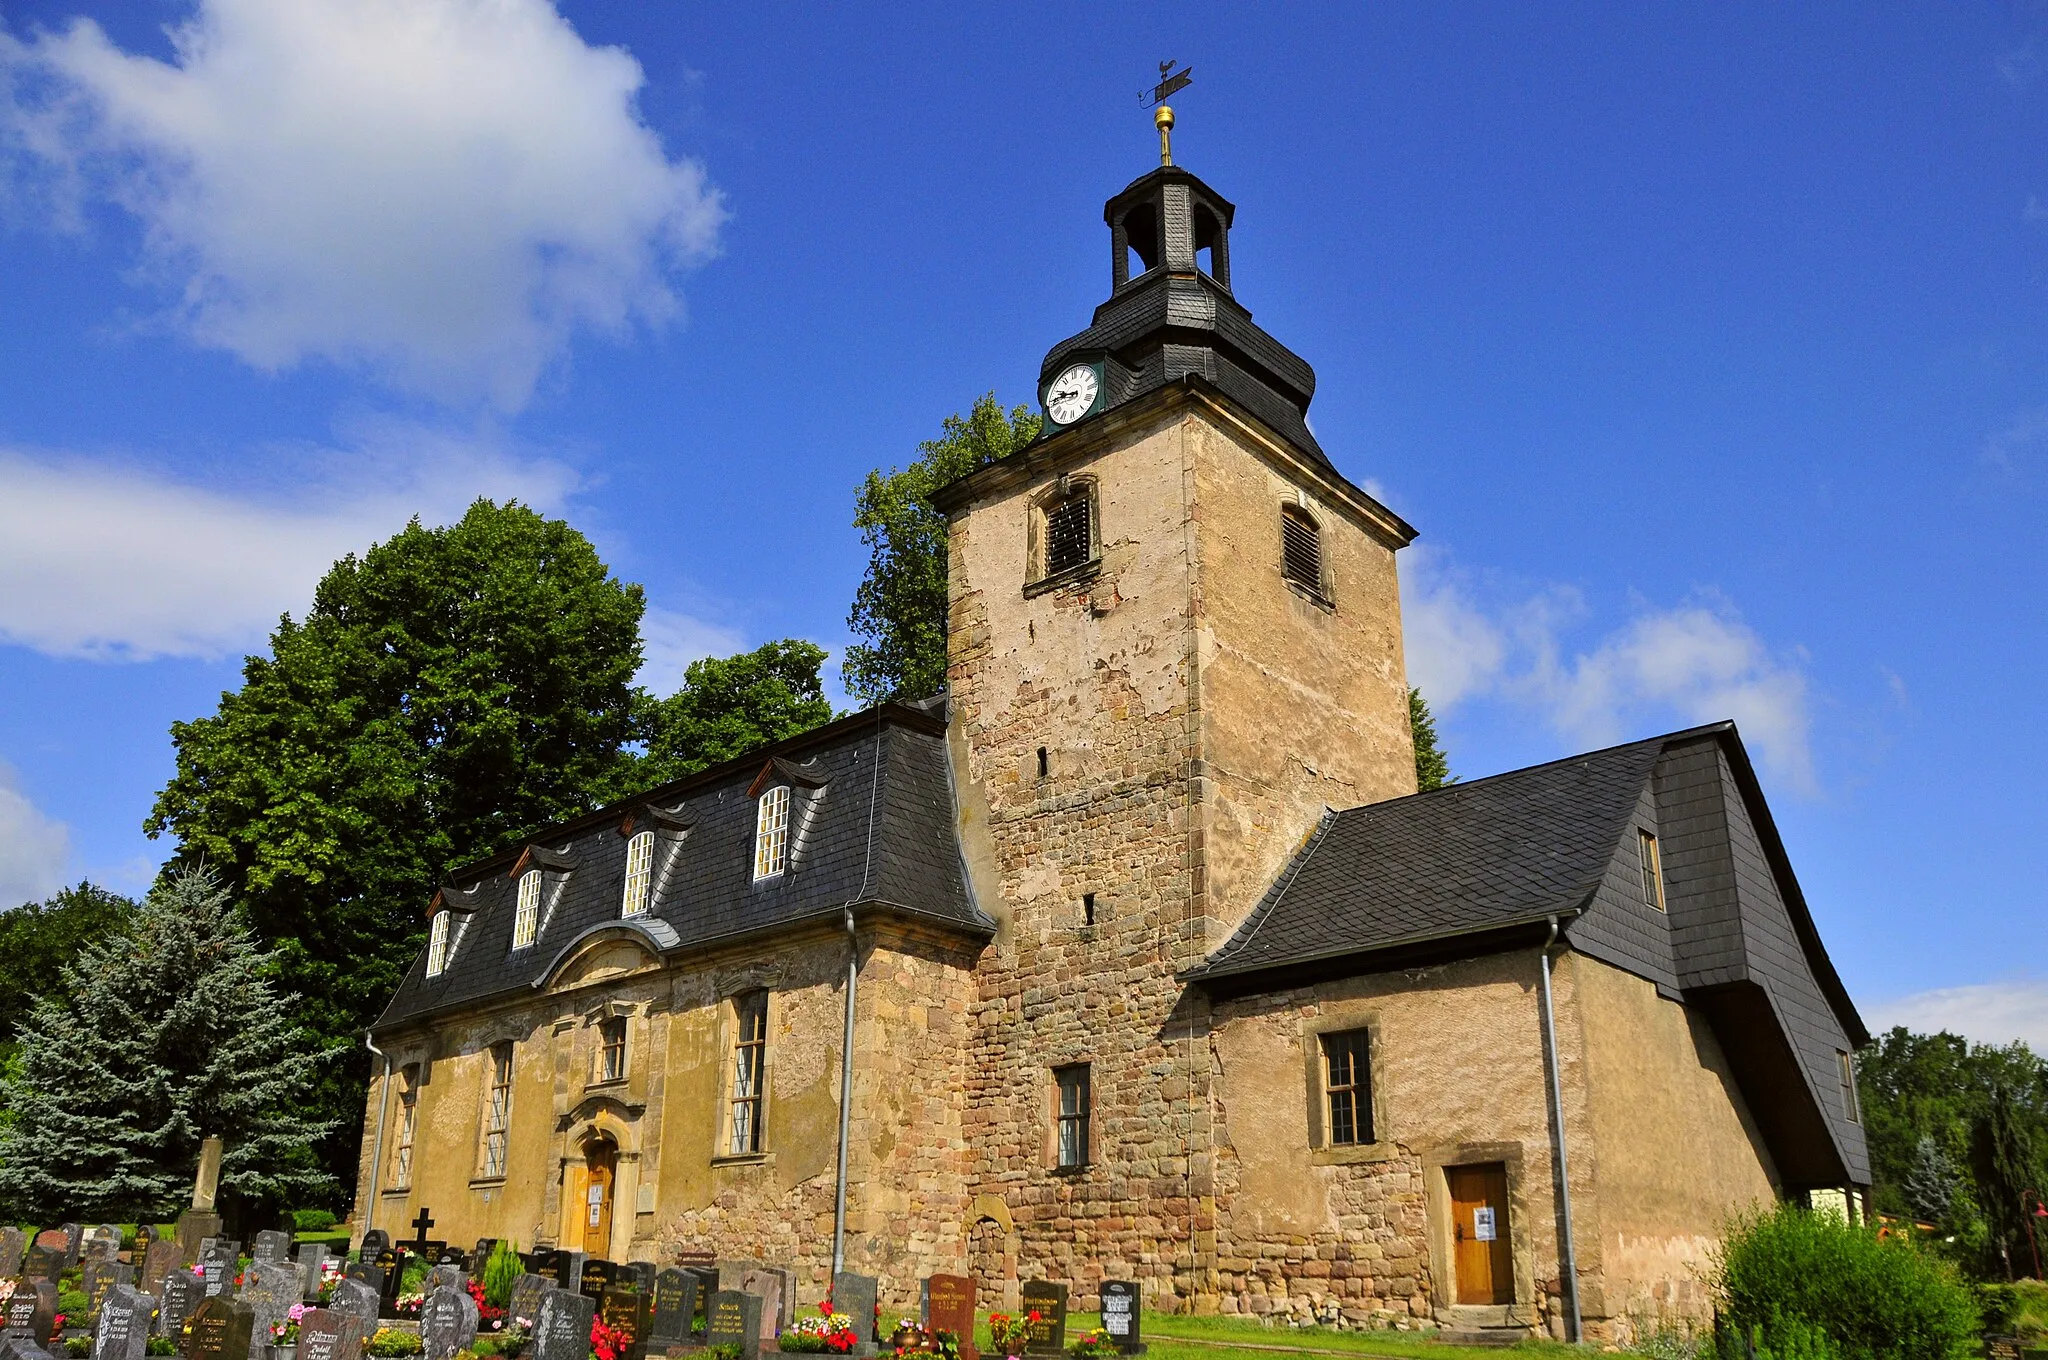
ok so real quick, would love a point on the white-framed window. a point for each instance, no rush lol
(611, 1053)
(498, 1110)
(771, 833)
(437, 945)
(408, 1118)
(639, 875)
(526, 918)
(749, 1068)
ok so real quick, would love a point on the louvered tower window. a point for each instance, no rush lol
(1069, 533)
(1301, 548)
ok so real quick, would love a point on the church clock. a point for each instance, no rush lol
(1075, 393)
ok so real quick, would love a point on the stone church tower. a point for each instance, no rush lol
(1175, 642)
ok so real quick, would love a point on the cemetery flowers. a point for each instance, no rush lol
(608, 1343)
(285, 1331)
(1008, 1333)
(828, 1332)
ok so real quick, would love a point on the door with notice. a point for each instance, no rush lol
(1479, 1232)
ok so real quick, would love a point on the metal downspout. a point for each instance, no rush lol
(852, 985)
(1568, 1256)
(377, 1150)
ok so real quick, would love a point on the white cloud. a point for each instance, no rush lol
(670, 641)
(112, 562)
(440, 191)
(1693, 663)
(1987, 1012)
(33, 846)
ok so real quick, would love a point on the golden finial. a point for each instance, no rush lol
(1164, 120)
(1171, 82)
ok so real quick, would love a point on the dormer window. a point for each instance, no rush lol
(1301, 550)
(771, 833)
(639, 875)
(526, 917)
(437, 945)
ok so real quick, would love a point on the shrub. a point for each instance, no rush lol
(1806, 1280)
(501, 1272)
(726, 1350)
(487, 1346)
(390, 1343)
(73, 1304)
(313, 1220)
(161, 1345)
(78, 1345)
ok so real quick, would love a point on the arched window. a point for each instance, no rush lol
(639, 875)
(497, 1109)
(408, 1121)
(771, 833)
(526, 918)
(437, 945)
(1301, 549)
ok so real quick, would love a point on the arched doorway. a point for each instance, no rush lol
(600, 1179)
(993, 1263)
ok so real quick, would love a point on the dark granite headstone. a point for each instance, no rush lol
(707, 1283)
(74, 1238)
(374, 1241)
(31, 1310)
(674, 1318)
(552, 1266)
(21, 1348)
(447, 1321)
(525, 1298)
(598, 1275)
(122, 1331)
(1048, 1335)
(327, 1335)
(391, 1261)
(271, 1288)
(145, 1233)
(102, 1243)
(43, 1263)
(13, 1246)
(312, 1260)
(625, 1309)
(159, 1260)
(734, 1316)
(855, 1296)
(372, 1276)
(217, 1269)
(272, 1245)
(562, 1331)
(640, 1274)
(182, 1295)
(220, 1330)
(480, 1254)
(1123, 1315)
(356, 1299)
(950, 1308)
(448, 1275)
(95, 1277)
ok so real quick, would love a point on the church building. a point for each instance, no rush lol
(1136, 955)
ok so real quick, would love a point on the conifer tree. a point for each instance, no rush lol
(170, 1031)
(1432, 766)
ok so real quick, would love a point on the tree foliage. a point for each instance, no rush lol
(1432, 766)
(169, 1031)
(729, 705)
(38, 939)
(446, 692)
(900, 607)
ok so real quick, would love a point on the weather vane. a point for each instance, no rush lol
(1171, 82)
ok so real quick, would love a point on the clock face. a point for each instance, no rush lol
(1072, 394)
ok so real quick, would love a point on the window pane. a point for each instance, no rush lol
(748, 1068)
(639, 874)
(526, 919)
(437, 944)
(771, 833)
(1073, 1115)
(1347, 1062)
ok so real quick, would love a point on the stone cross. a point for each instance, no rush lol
(422, 1223)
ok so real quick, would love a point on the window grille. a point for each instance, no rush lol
(437, 945)
(526, 918)
(748, 1064)
(639, 874)
(408, 1109)
(1301, 548)
(498, 1111)
(1069, 534)
(612, 1059)
(1653, 870)
(1347, 1084)
(1073, 1122)
(771, 833)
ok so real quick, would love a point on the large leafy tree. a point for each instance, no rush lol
(446, 692)
(1432, 766)
(730, 705)
(899, 611)
(39, 938)
(168, 1031)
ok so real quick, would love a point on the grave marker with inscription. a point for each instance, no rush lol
(525, 1299)
(447, 1321)
(159, 1259)
(122, 1331)
(562, 1331)
(327, 1335)
(1122, 1315)
(598, 1275)
(625, 1309)
(272, 1245)
(855, 1296)
(674, 1318)
(374, 1241)
(768, 1284)
(217, 1269)
(950, 1308)
(220, 1330)
(182, 1295)
(734, 1317)
(1048, 1335)
(356, 1299)
(31, 1310)
(13, 1246)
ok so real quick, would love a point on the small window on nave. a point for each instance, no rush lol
(437, 944)
(526, 916)
(771, 833)
(639, 875)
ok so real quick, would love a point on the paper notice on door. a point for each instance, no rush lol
(1482, 1223)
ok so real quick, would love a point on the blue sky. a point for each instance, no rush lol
(1706, 349)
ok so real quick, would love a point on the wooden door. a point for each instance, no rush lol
(1479, 1232)
(602, 1162)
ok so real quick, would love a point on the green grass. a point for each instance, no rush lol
(1173, 1336)
(2030, 1315)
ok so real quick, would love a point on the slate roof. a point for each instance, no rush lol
(1493, 853)
(885, 768)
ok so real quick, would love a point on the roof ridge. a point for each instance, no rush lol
(1704, 729)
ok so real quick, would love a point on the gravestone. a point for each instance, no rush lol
(674, 1317)
(734, 1316)
(43, 1263)
(13, 1245)
(159, 1260)
(525, 1299)
(480, 1255)
(21, 1348)
(374, 1241)
(444, 1275)
(391, 1261)
(1122, 1314)
(217, 1269)
(272, 1245)
(355, 1299)
(707, 1281)
(220, 1330)
(31, 1310)
(572, 1268)
(194, 1227)
(145, 1234)
(122, 1332)
(552, 1266)
(562, 1331)
(113, 1274)
(372, 1277)
(313, 1260)
(1048, 1335)
(451, 1256)
(182, 1294)
(640, 1274)
(777, 1291)
(94, 1277)
(447, 1321)
(856, 1296)
(598, 1275)
(270, 1288)
(74, 1238)
(102, 1243)
(625, 1309)
(327, 1335)
(950, 1308)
